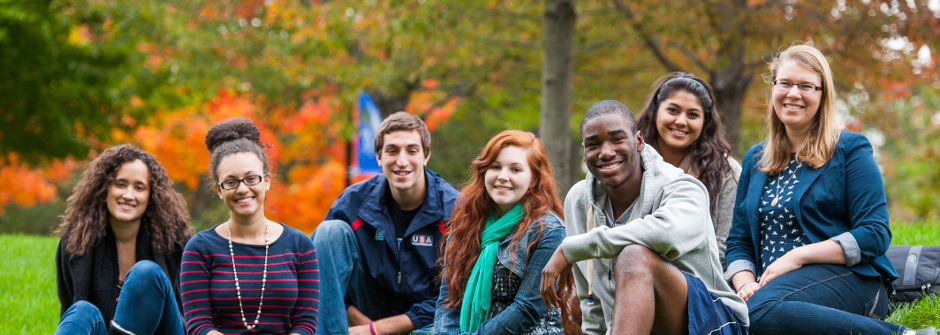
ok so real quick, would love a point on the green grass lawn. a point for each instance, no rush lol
(27, 279)
(29, 304)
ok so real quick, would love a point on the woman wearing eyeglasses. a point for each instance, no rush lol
(810, 228)
(249, 274)
(117, 264)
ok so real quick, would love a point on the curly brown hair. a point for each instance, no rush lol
(86, 214)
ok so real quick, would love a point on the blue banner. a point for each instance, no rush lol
(369, 119)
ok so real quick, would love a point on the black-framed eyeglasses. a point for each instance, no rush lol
(232, 184)
(784, 85)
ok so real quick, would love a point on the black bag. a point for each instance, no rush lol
(919, 270)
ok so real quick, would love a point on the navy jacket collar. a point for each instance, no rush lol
(375, 212)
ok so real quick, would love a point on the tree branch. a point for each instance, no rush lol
(691, 55)
(652, 42)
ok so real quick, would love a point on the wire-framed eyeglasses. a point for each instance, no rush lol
(231, 184)
(784, 86)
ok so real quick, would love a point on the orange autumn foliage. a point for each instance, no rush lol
(306, 148)
(303, 140)
(27, 186)
(432, 104)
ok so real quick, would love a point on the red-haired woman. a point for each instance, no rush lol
(504, 227)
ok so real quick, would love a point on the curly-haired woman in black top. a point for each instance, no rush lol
(122, 240)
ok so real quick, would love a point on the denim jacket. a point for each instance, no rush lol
(527, 306)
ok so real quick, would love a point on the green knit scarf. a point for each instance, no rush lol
(477, 296)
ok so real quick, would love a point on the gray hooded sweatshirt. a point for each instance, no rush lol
(670, 217)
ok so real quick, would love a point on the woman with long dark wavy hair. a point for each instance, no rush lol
(122, 240)
(681, 122)
(504, 227)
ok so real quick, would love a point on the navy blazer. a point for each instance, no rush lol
(846, 194)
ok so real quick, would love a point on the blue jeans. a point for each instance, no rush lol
(821, 299)
(82, 318)
(147, 305)
(343, 279)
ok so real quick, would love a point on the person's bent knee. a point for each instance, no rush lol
(635, 259)
(82, 317)
(331, 230)
(145, 269)
(84, 310)
(635, 255)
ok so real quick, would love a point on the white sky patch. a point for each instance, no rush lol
(923, 59)
(875, 137)
(896, 43)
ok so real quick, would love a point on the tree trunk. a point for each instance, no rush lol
(729, 93)
(555, 114)
(387, 103)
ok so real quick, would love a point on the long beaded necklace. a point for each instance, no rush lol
(264, 277)
(799, 164)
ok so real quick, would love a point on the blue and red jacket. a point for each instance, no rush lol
(407, 272)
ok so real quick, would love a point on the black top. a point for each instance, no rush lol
(94, 276)
(400, 217)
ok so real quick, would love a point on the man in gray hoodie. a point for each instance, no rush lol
(641, 240)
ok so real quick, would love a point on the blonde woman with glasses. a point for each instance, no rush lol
(810, 227)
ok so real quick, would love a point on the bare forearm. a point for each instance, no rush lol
(398, 324)
(824, 252)
(355, 317)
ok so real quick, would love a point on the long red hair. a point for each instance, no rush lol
(474, 205)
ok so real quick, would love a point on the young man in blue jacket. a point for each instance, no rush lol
(379, 244)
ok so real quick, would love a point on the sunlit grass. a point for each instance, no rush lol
(925, 312)
(27, 279)
(916, 233)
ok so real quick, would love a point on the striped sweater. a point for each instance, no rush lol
(291, 295)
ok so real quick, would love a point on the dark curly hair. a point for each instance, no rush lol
(710, 150)
(86, 214)
(233, 136)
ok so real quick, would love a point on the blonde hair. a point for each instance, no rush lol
(823, 135)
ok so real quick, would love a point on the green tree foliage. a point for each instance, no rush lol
(56, 93)
(870, 44)
(74, 69)
(911, 153)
